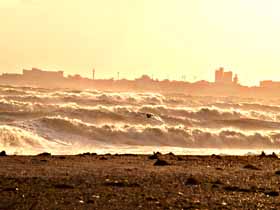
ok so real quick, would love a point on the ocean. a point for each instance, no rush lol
(62, 122)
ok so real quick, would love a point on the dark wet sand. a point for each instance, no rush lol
(133, 182)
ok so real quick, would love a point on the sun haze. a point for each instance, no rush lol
(165, 39)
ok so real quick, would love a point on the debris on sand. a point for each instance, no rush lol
(273, 155)
(277, 172)
(216, 156)
(148, 115)
(10, 189)
(96, 196)
(103, 158)
(263, 154)
(3, 153)
(237, 189)
(272, 193)
(87, 154)
(155, 156)
(192, 181)
(84, 154)
(179, 158)
(217, 181)
(171, 154)
(120, 183)
(160, 162)
(151, 198)
(251, 167)
(63, 186)
(44, 154)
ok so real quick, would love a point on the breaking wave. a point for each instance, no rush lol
(33, 119)
(21, 141)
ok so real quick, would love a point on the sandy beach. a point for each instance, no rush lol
(90, 181)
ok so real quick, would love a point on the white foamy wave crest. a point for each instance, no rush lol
(88, 98)
(144, 115)
(20, 141)
(42, 119)
(179, 136)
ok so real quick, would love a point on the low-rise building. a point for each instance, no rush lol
(269, 84)
(35, 73)
(225, 78)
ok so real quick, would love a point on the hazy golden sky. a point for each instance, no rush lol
(163, 38)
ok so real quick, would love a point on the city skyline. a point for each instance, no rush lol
(160, 38)
(227, 75)
(222, 77)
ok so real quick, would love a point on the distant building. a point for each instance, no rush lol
(36, 73)
(222, 77)
(227, 79)
(269, 84)
(10, 75)
(144, 78)
(219, 75)
(235, 80)
(75, 77)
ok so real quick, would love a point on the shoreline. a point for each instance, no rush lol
(147, 150)
(130, 181)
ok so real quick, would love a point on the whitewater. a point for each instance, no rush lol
(35, 120)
